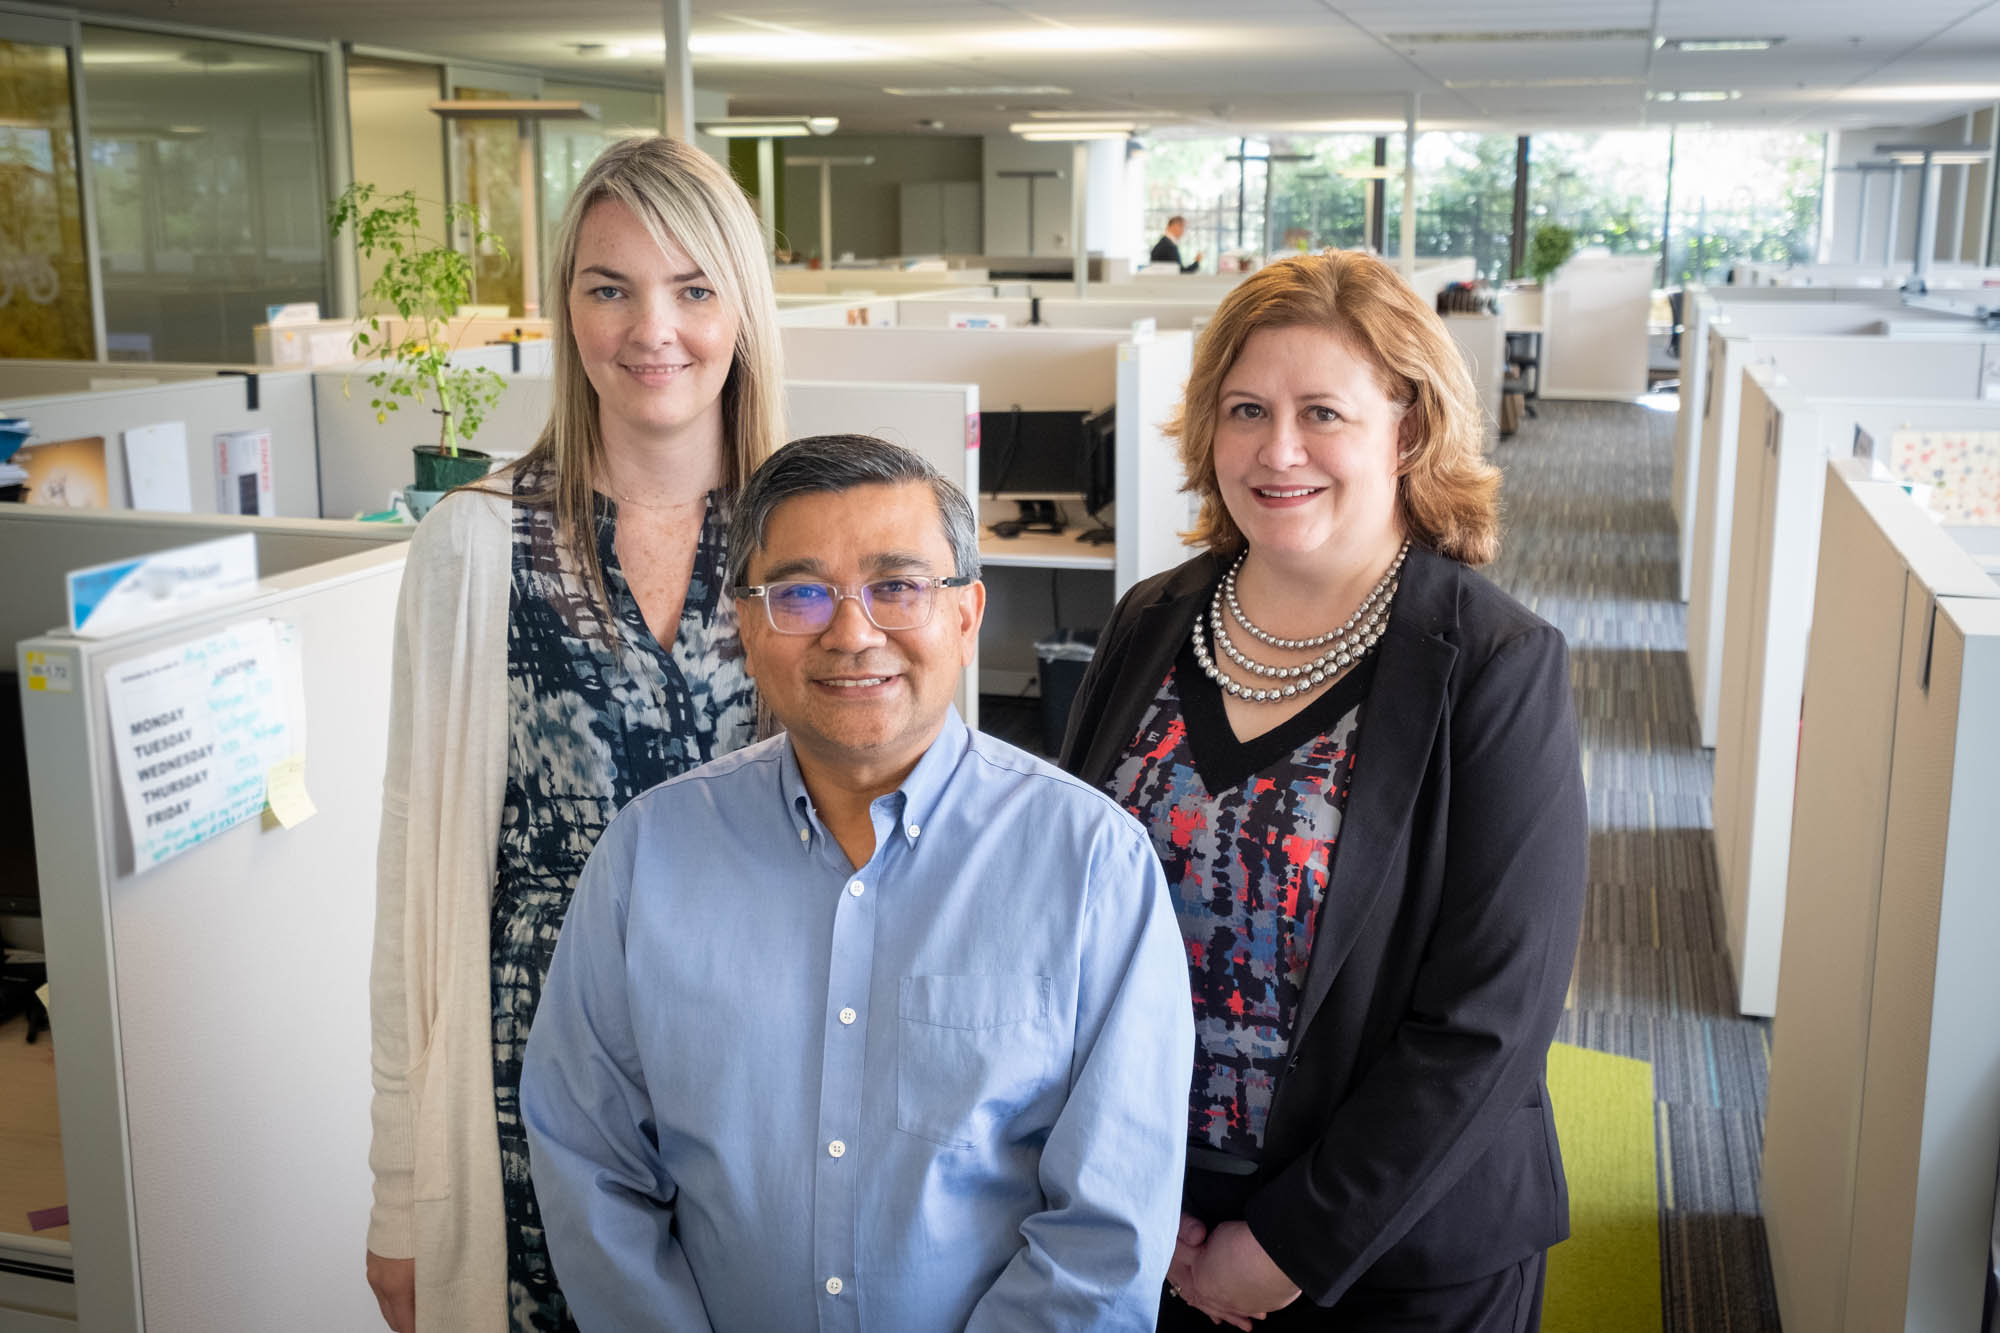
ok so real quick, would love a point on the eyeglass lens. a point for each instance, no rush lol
(890, 603)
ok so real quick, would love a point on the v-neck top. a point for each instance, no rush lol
(1246, 832)
(597, 714)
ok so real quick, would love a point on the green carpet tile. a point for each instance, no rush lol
(1589, 546)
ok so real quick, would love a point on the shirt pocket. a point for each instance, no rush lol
(971, 1052)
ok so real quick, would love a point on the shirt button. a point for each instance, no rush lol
(833, 1286)
(805, 835)
(915, 830)
(836, 1149)
(855, 887)
(848, 1016)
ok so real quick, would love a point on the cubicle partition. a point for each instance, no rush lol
(1883, 1125)
(1054, 312)
(1882, 366)
(1788, 438)
(1594, 321)
(1040, 581)
(1775, 310)
(175, 466)
(210, 1009)
(829, 311)
(938, 421)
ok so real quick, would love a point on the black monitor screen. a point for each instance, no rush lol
(1033, 454)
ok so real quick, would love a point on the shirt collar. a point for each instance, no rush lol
(919, 795)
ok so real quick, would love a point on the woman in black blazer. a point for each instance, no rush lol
(1358, 760)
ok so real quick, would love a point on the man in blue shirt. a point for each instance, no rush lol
(880, 1023)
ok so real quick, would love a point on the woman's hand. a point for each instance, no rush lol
(1181, 1280)
(395, 1284)
(1235, 1278)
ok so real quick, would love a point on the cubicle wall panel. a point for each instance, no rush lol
(1820, 1042)
(938, 421)
(204, 407)
(242, 1001)
(1043, 369)
(363, 462)
(38, 547)
(1926, 1167)
(1152, 512)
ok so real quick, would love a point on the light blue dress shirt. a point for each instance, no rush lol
(767, 1091)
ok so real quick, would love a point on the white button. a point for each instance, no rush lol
(855, 887)
(805, 835)
(833, 1285)
(836, 1149)
(914, 830)
(848, 1015)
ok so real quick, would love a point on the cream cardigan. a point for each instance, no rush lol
(436, 1151)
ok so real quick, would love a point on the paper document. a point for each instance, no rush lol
(197, 729)
(156, 468)
(243, 473)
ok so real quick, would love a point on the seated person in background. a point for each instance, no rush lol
(1167, 250)
(880, 1023)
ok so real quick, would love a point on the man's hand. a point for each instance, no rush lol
(395, 1284)
(1236, 1277)
(1198, 254)
(1181, 1278)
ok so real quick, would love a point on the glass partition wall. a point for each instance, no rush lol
(209, 180)
(44, 270)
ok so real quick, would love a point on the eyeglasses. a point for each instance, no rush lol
(800, 606)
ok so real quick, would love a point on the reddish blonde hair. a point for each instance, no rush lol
(1447, 491)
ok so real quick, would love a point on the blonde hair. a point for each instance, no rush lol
(680, 193)
(1448, 493)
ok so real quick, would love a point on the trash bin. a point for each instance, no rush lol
(1063, 658)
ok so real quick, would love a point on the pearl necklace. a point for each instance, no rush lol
(1346, 645)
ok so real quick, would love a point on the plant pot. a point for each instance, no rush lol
(440, 471)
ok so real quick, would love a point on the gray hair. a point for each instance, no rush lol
(821, 464)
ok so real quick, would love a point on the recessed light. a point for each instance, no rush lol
(1578, 81)
(1120, 127)
(1717, 43)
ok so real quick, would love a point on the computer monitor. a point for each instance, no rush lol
(1032, 455)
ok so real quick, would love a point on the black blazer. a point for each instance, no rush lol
(1410, 1141)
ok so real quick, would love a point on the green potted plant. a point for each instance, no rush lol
(424, 280)
(1549, 248)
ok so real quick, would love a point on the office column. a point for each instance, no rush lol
(678, 104)
(1408, 259)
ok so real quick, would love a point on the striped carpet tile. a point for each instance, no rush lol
(1589, 546)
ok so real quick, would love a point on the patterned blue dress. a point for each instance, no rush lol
(594, 719)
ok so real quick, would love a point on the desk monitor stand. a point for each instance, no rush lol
(1035, 516)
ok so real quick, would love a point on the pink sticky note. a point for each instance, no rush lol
(48, 1219)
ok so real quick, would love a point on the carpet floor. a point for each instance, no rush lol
(1590, 547)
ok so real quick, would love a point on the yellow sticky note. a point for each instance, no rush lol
(285, 792)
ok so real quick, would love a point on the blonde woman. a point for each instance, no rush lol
(564, 642)
(1359, 765)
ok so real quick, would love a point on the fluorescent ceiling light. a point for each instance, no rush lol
(1696, 95)
(769, 127)
(1147, 111)
(786, 46)
(984, 90)
(1522, 35)
(1923, 92)
(1942, 155)
(1074, 128)
(1070, 136)
(1718, 43)
(1578, 81)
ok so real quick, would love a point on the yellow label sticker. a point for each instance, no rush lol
(51, 673)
